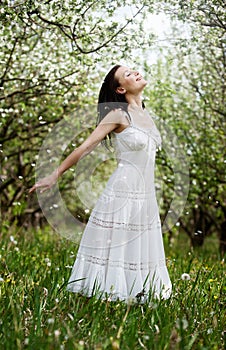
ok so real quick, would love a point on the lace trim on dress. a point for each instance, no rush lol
(123, 225)
(129, 194)
(132, 266)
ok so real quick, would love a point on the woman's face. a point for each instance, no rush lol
(130, 81)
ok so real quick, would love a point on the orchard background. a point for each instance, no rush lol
(54, 55)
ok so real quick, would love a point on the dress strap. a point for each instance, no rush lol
(129, 118)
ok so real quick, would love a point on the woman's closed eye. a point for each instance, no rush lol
(128, 73)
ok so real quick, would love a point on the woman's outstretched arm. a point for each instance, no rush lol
(103, 129)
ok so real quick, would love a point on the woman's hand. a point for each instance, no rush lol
(46, 183)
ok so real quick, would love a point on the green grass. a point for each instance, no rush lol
(38, 313)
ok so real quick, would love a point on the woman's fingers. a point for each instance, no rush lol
(39, 185)
(45, 183)
(32, 189)
(45, 188)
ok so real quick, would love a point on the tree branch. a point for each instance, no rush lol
(108, 40)
(8, 62)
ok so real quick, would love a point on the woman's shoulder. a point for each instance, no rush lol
(117, 115)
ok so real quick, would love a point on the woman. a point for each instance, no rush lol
(121, 254)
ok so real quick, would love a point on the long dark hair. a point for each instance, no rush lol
(108, 94)
(109, 99)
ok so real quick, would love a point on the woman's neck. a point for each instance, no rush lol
(134, 101)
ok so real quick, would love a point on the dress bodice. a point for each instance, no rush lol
(139, 130)
(137, 143)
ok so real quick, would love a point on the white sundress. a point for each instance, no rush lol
(121, 254)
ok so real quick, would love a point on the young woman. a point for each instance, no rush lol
(121, 254)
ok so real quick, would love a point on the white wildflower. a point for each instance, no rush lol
(185, 277)
(57, 333)
(13, 240)
(50, 320)
(26, 341)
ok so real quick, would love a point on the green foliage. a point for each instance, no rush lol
(53, 54)
(188, 95)
(38, 313)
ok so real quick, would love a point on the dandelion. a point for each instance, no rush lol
(50, 320)
(48, 262)
(13, 240)
(131, 301)
(185, 277)
(26, 341)
(57, 333)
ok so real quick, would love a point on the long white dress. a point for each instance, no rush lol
(121, 254)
